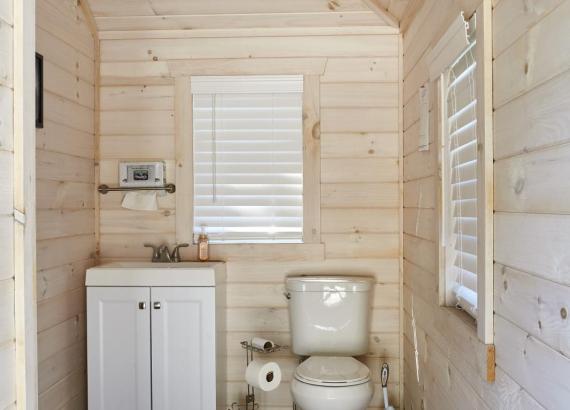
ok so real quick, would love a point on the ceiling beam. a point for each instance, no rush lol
(382, 12)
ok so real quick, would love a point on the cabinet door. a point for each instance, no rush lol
(118, 337)
(183, 349)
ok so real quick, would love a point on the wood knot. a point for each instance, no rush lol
(316, 131)
(564, 313)
(519, 185)
(333, 5)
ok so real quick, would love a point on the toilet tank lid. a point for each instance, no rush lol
(329, 283)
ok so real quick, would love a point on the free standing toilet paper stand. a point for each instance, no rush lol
(250, 403)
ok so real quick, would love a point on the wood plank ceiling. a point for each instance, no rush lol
(128, 15)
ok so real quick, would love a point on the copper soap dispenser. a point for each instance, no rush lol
(203, 251)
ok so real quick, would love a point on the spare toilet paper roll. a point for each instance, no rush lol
(263, 375)
(140, 201)
(262, 343)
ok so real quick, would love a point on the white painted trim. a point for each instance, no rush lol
(484, 82)
(485, 161)
(24, 203)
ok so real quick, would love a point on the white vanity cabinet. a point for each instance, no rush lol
(152, 340)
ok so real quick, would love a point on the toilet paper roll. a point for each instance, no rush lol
(263, 344)
(263, 375)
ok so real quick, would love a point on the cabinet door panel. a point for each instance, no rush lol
(183, 349)
(118, 334)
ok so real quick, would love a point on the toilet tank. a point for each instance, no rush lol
(329, 315)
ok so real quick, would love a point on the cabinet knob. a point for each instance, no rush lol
(156, 305)
(142, 305)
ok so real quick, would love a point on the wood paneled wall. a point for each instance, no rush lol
(360, 181)
(7, 325)
(65, 201)
(443, 358)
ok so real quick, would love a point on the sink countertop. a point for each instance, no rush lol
(191, 274)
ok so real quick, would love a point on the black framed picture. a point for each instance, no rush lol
(39, 91)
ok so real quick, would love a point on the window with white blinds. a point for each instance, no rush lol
(460, 159)
(248, 158)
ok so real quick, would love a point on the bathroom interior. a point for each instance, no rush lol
(252, 204)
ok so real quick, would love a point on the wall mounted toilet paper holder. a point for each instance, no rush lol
(250, 403)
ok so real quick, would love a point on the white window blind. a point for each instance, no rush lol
(248, 158)
(461, 179)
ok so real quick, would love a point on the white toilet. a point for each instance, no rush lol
(330, 318)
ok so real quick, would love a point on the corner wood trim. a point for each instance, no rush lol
(490, 363)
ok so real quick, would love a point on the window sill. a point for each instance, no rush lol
(464, 317)
(263, 252)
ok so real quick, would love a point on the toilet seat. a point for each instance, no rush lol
(332, 371)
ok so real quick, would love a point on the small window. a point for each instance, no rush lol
(248, 158)
(460, 179)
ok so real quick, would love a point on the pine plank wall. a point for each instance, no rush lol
(65, 201)
(443, 364)
(7, 327)
(360, 200)
(360, 179)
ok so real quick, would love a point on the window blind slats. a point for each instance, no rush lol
(464, 153)
(461, 109)
(465, 225)
(464, 172)
(260, 146)
(222, 201)
(467, 207)
(248, 158)
(463, 190)
(469, 279)
(249, 178)
(465, 262)
(468, 244)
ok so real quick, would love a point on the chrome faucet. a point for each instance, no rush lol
(162, 254)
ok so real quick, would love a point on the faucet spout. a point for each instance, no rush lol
(164, 254)
(159, 253)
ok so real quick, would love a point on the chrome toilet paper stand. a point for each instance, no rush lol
(250, 403)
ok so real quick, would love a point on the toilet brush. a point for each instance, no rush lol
(384, 373)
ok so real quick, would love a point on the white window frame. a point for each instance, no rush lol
(443, 55)
(311, 247)
(220, 88)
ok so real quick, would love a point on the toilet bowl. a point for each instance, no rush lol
(332, 383)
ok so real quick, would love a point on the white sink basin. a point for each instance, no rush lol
(195, 274)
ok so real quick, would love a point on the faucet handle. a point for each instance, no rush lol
(155, 253)
(176, 251)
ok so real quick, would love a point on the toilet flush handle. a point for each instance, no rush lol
(287, 295)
